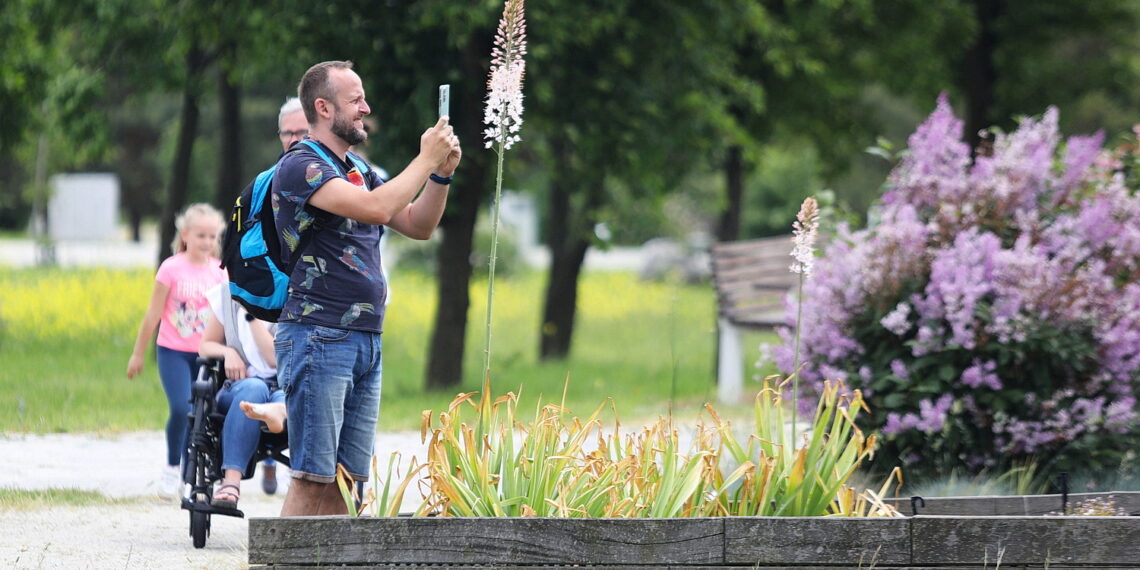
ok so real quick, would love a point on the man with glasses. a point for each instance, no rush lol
(291, 123)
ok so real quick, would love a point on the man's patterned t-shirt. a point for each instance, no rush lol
(337, 282)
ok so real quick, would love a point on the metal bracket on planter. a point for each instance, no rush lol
(914, 502)
(1064, 484)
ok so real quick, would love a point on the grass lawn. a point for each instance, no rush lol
(27, 500)
(65, 336)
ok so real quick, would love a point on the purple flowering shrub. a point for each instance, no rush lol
(992, 314)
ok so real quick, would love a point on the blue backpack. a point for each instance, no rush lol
(251, 253)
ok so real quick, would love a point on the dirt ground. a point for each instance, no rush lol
(151, 533)
(143, 533)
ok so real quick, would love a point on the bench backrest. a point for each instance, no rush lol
(751, 278)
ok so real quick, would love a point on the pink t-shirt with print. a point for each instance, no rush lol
(186, 311)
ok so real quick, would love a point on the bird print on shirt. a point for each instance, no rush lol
(309, 307)
(347, 226)
(351, 258)
(291, 238)
(354, 312)
(314, 174)
(315, 270)
(304, 220)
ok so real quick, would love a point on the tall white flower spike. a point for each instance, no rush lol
(503, 113)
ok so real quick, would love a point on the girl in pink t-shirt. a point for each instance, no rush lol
(179, 310)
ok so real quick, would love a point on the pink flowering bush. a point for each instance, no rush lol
(992, 313)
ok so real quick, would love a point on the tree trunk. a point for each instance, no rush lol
(568, 230)
(728, 227)
(979, 74)
(561, 305)
(230, 181)
(135, 221)
(449, 332)
(137, 172)
(453, 273)
(187, 132)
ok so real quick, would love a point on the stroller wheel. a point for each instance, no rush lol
(199, 527)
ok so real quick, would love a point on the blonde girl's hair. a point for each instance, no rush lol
(191, 214)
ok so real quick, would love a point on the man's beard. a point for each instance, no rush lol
(342, 127)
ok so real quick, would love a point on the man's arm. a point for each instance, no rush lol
(342, 198)
(420, 218)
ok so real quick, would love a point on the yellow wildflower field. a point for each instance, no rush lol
(66, 334)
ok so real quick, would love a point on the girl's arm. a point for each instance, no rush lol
(147, 328)
(264, 341)
(213, 346)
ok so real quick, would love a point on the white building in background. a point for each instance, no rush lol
(82, 228)
(84, 206)
(519, 212)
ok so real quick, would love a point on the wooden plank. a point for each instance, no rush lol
(759, 313)
(760, 320)
(631, 566)
(409, 540)
(732, 543)
(757, 274)
(724, 266)
(817, 540)
(744, 296)
(849, 566)
(771, 284)
(740, 247)
(1052, 541)
(1015, 505)
(767, 259)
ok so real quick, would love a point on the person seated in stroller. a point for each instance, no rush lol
(245, 345)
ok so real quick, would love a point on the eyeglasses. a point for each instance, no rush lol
(291, 134)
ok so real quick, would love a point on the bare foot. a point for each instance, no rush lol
(273, 414)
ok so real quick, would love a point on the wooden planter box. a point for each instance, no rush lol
(930, 542)
(1025, 505)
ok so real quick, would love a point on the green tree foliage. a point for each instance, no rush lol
(1026, 56)
(610, 115)
(52, 93)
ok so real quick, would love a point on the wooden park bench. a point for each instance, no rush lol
(751, 279)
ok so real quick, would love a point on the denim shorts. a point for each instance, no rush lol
(331, 380)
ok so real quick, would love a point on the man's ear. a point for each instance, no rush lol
(323, 107)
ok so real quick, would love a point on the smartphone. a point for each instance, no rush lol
(444, 99)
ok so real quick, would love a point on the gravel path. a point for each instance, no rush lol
(146, 532)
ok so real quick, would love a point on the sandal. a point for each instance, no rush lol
(226, 503)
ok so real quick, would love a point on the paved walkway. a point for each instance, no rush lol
(144, 532)
(128, 464)
(23, 253)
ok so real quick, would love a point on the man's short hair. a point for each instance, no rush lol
(292, 105)
(315, 85)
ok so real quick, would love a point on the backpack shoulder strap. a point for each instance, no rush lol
(321, 153)
(360, 163)
(308, 236)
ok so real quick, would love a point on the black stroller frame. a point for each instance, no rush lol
(202, 465)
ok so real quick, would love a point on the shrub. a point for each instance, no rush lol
(992, 313)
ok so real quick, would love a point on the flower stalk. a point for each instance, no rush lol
(503, 115)
(804, 232)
